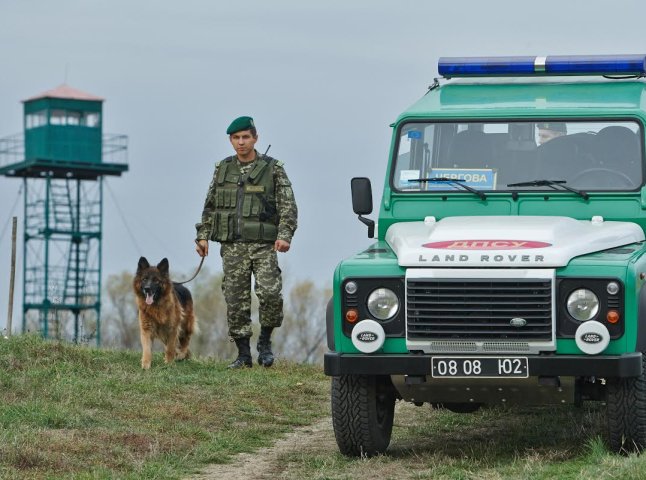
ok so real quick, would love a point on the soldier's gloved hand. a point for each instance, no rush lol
(202, 247)
(281, 246)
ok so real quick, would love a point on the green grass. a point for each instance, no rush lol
(74, 412)
(563, 443)
(70, 412)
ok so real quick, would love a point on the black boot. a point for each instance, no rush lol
(265, 355)
(244, 354)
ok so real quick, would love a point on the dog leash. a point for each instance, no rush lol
(199, 267)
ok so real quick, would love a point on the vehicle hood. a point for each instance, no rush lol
(502, 241)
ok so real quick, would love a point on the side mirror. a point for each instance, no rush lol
(361, 195)
(362, 201)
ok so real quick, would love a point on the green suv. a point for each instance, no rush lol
(509, 260)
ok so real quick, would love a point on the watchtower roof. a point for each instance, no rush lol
(66, 92)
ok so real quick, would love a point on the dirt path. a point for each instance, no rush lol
(265, 463)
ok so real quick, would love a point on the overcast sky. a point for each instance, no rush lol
(323, 80)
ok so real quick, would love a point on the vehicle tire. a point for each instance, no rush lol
(626, 412)
(363, 407)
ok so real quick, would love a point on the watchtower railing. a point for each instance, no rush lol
(114, 149)
(12, 149)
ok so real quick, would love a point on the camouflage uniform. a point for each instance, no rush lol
(242, 258)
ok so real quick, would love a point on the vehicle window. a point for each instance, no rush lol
(590, 155)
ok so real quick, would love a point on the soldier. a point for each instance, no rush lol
(550, 131)
(250, 209)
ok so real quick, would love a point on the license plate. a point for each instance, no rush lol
(479, 367)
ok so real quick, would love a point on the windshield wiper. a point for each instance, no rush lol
(552, 184)
(452, 181)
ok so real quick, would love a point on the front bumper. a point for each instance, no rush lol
(627, 365)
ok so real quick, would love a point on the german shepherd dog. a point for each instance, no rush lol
(165, 312)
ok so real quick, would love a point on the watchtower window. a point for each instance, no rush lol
(57, 117)
(71, 117)
(36, 119)
(90, 119)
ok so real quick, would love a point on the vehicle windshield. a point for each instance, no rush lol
(488, 156)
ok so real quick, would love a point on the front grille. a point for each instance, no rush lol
(479, 309)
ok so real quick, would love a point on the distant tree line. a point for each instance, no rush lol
(300, 339)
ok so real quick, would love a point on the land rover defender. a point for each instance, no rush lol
(509, 261)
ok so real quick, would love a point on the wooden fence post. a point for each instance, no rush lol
(13, 274)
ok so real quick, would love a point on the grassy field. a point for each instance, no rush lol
(493, 444)
(71, 412)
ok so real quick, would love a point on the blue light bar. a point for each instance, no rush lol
(534, 66)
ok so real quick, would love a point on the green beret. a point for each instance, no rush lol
(239, 124)
(554, 126)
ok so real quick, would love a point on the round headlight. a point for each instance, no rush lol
(383, 304)
(582, 304)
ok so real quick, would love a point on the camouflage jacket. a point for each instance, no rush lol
(285, 204)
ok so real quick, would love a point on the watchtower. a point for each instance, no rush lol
(62, 157)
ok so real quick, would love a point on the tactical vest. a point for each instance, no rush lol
(245, 205)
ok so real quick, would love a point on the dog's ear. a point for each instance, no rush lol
(143, 264)
(163, 266)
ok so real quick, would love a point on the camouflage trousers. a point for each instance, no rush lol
(239, 261)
